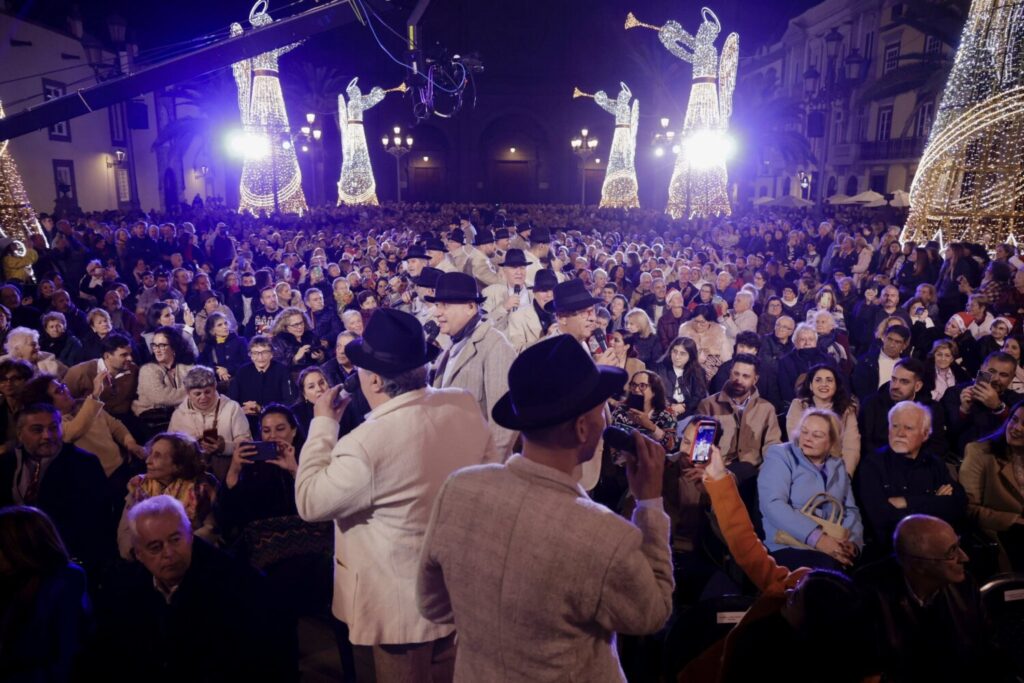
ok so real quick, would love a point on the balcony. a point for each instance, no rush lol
(900, 148)
(843, 154)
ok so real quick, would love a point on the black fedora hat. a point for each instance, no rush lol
(540, 236)
(544, 281)
(571, 296)
(554, 381)
(501, 234)
(428, 277)
(433, 244)
(416, 251)
(392, 343)
(483, 236)
(455, 288)
(514, 258)
(457, 235)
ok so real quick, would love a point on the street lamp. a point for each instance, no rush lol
(308, 140)
(395, 148)
(583, 146)
(663, 138)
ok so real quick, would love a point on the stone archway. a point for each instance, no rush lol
(514, 160)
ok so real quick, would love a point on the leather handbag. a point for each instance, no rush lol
(831, 525)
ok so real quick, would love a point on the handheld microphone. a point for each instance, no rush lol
(602, 339)
(432, 329)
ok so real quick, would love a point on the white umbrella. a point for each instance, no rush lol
(839, 199)
(790, 202)
(867, 197)
(900, 199)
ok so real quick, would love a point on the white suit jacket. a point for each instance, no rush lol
(378, 484)
(537, 577)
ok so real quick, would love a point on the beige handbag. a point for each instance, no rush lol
(832, 525)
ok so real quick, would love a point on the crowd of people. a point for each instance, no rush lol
(205, 417)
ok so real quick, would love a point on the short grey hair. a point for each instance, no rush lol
(347, 315)
(18, 336)
(805, 327)
(404, 382)
(155, 507)
(926, 415)
(200, 377)
(55, 315)
(746, 294)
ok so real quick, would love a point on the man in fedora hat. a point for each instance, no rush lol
(501, 244)
(539, 255)
(530, 323)
(511, 293)
(538, 576)
(521, 238)
(457, 257)
(479, 356)
(479, 264)
(416, 260)
(377, 484)
(573, 307)
(435, 251)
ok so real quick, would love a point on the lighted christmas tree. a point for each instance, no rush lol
(17, 219)
(970, 182)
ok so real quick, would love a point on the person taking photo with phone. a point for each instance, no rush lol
(976, 409)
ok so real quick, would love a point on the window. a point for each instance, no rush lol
(932, 46)
(124, 192)
(64, 179)
(61, 131)
(869, 45)
(115, 114)
(892, 58)
(877, 183)
(883, 127)
(923, 123)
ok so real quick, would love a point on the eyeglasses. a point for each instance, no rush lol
(260, 353)
(642, 386)
(159, 346)
(11, 378)
(298, 324)
(953, 553)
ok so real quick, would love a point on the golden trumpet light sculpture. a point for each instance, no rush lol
(969, 185)
(620, 186)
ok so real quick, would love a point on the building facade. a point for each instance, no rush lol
(829, 63)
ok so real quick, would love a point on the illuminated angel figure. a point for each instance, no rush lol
(699, 179)
(620, 187)
(356, 185)
(270, 174)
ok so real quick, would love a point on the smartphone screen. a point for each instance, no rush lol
(635, 401)
(703, 442)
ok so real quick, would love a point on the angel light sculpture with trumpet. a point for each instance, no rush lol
(270, 175)
(699, 180)
(620, 187)
(357, 184)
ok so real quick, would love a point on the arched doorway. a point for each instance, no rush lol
(427, 166)
(851, 186)
(513, 155)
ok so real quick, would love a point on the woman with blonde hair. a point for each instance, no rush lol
(645, 341)
(291, 339)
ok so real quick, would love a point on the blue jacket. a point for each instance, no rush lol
(787, 480)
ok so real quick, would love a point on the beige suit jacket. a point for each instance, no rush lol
(378, 484)
(480, 267)
(481, 368)
(523, 328)
(538, 578)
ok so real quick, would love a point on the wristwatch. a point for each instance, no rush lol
(999, 408)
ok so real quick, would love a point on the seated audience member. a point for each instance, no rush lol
(794, 473)
(823, 389)
(905, 384)
(85, 423)
(654, 419)
(794, 366)
(224, 350)
(63, 481)
(13, 376)
(805, 610)
(1014, 346)
(162, 381)
(78, 323)
(713, 347)
(746, 342)
(968, 357)
(353, 322)
(23, 344)
(339, 368)
(259, 490)
(210, 304)
(160, 315)
(976, 409)
(260, 382)
(992, 475)
(312, 384)
(904, 479)
(122, 377)
(645, 342)
(215, 421)
(293, 343)
(774, 346)
(930, 620)
(58, 341)
(212, 613)
(673, 316)
(621, 354)
(942, 371)
(682, 376)
(875, 366)
(175, 468)
(46, 611)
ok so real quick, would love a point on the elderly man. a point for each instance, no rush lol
(416, 260)
(528, 324)
(185, 606)
(479, 356)
(742, 318)
(930, 616)
(541, 601)
(479, 264)
(23, 344)
(504, 298)
(975, 409)
(540, 257)
(773, 347)
(260, 382)
(378, 483)
(457, 257)
(906, 383)
(904, 479)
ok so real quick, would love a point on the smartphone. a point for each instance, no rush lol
(707, 430)
(635, 401)
(984, 376)
(265, 450)
(209, 434)
(619, 438)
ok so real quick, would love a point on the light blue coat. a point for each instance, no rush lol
(787, 480)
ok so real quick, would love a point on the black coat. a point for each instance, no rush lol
(981, 421)
(285, 346)
(771, 352)
(792, 368)
(221, 625)
(693, 386)
(232, 353)
(273, 386)
(874, 422)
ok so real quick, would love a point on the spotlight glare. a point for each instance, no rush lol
(659, 151)
(707, 148)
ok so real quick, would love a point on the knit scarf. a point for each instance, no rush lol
(141, 487)
(220, 339)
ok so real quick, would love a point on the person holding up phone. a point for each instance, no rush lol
(646, 410)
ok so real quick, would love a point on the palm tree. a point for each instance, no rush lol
(316, 90)
(213, 99)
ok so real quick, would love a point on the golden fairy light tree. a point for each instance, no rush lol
(17, 219)
(970, 181)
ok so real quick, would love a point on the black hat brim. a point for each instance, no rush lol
(576, 305)
(361, 359)
(456, 300)
(610, 382)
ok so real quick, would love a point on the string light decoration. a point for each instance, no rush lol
(17, 218)
(271, 179)
(619, 190)
(357, 184)
(698, 188)
(969, 184)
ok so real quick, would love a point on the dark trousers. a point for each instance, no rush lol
(794, 558)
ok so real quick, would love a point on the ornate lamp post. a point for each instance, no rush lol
(393, 146)
(583, 146)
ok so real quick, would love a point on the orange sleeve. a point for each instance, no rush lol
(744, 545)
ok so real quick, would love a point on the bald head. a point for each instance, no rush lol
(917, 534)
(929, 551)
